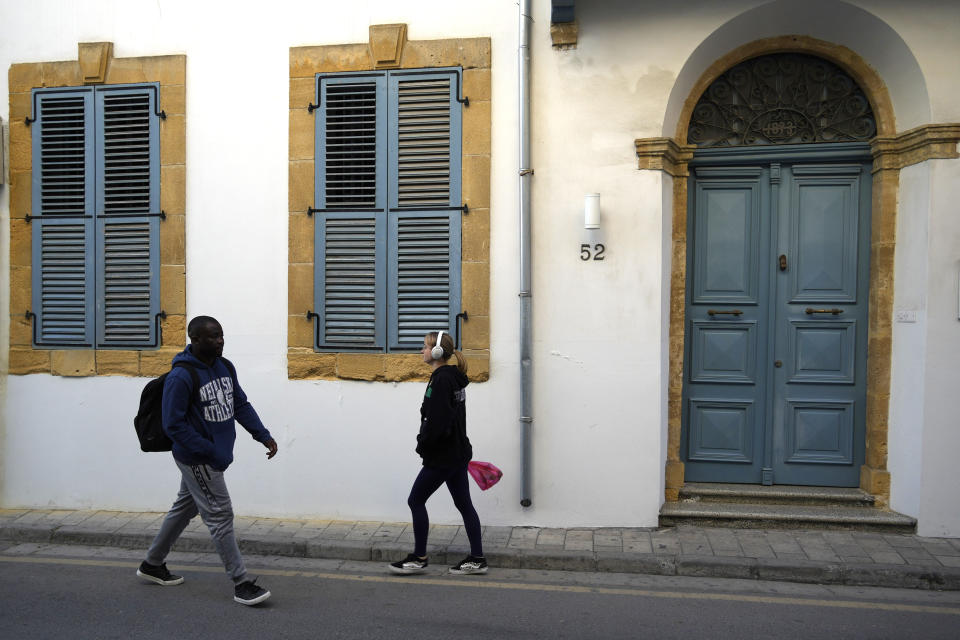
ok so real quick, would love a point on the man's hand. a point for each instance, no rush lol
(271, 444)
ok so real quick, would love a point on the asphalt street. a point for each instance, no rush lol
(58, 591)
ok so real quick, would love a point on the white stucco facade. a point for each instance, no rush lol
(601, 328)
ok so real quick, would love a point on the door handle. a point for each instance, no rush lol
(810, 311)
(732, 312)
(783, 262)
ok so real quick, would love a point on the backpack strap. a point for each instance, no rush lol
(193, 376)
(233, 369)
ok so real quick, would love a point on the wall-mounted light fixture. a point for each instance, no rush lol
(591, 211)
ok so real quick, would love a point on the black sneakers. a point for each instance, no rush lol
(249, 593)
(410, 564)
(158, 574)
(469, 566)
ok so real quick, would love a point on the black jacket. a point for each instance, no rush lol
(442, 441)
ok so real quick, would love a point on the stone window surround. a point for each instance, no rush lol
(388, 48)
(95, 65)
(891, 152)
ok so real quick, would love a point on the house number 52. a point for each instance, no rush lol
(595, 252)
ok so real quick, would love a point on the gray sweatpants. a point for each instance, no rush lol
(203, 491)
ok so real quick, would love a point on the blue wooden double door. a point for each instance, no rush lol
(776, 321)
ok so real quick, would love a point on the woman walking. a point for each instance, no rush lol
(445, 449)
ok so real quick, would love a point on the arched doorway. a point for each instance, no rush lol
(778, 252)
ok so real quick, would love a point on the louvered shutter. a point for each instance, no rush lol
(424, 230)
(63, 233)
(424, 275)
(128, 231)
(350, 224)
(351, 131)
(350, 281)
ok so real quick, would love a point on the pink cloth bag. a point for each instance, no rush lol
(485, 473)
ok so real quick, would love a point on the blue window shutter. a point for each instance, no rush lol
(128, 229)
(424, 275)
(425, 131)
(350, 224)
(425, 196)
(350, 280)
(63, 289)
(351, 129)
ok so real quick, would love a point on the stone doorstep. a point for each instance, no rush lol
(776, 516)
(776, 494)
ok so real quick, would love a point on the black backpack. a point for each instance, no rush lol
(149, 419)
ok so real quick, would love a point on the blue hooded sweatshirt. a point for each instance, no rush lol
(201, 424)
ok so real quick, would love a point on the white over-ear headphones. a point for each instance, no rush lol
(437, 351)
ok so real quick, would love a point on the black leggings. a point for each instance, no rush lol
(428, 481)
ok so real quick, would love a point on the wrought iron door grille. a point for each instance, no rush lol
(784, 98)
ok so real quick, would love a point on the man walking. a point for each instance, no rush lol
(199, 419)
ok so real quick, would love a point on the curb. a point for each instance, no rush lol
(802, 571)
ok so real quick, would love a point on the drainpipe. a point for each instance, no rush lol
(526, 376)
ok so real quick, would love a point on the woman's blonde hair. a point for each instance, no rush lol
(446, 342)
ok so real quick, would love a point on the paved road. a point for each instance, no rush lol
(50, 591)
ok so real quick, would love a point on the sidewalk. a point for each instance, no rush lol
(813, 556)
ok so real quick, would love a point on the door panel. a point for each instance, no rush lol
(728, 226)
(722, 432)
(723, 398)
(823, 214)
(820, 352)
(820, 306)
(724, 352)
(774, 363)
(818, 433)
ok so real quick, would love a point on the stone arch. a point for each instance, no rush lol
(864, 75)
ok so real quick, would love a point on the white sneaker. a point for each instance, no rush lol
(469, 566)
(409, 565)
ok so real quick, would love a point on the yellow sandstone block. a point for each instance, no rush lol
(173, 189)
(300, 187)
(476, 288)
(360, 366)
(24, 360)
(300, 289)
(158, 362)
(476, 236)
(401, 367)
(118, 363)
(74, 363)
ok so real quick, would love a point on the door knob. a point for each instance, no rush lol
(778, 363)
(783, 262)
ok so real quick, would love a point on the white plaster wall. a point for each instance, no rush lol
(931, 34)
(597, 355)
(923, 435)
(4, 281)
(940, 509)
(905, 436)
(343, 450)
